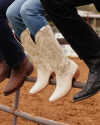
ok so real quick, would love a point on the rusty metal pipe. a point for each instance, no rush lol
(76, 84)
(30, 117)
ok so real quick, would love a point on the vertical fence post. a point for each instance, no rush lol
(16, 106)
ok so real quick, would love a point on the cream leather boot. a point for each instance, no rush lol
(43, 68)
(64, 68)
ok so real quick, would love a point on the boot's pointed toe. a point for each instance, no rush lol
(85, 94)
(92, 87)
(57, 95)
(76, 96)
(36, 88)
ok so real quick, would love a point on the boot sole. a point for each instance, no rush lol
(14, 90)
(76, 75)
(86, 96)
(20, 85)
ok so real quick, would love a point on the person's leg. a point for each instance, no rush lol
(9, 47)
(80, 36)
(32, 14)
(19, 26)
(14, 17)
(5, 71)
(44, 70)
(21, 16)
(32, 11)
(58, 62)
(75, 30)
(12, 52)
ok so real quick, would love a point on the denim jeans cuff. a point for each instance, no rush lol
(18, 63)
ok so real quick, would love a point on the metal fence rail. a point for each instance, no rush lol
(16, 112)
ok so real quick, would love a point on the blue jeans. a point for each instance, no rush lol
(9, 47)
(26, 13)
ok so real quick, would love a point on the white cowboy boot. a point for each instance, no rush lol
(43, 68)
(64, 68)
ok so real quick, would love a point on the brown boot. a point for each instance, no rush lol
(5, 71)
(18, 75)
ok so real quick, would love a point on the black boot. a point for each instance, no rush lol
(93, 84)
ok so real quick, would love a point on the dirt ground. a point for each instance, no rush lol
(86, 112)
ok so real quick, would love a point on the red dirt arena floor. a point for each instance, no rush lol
(86, 112)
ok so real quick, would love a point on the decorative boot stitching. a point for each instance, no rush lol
(31, 48)
(49, 50)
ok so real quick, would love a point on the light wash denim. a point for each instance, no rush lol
(24, 14)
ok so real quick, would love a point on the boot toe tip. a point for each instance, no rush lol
(76, 97)
(51, 100)
(5, 92)
(30, 92)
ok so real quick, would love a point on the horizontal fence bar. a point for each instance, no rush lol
(30, 117)
(75, 84)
